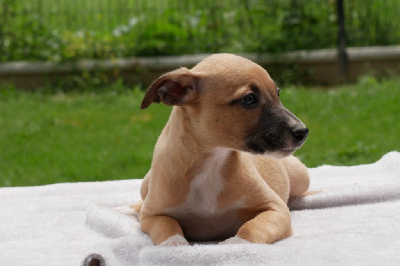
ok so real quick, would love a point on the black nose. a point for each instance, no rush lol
(300, 135)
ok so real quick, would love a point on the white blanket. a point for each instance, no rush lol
(353, 220)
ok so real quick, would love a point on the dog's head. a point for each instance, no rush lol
(232, 102)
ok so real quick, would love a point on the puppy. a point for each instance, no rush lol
(222, 167)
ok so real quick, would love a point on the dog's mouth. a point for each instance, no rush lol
(269, 141)
(290, 150)
(282, 153)
(253, 147)
(256, 149)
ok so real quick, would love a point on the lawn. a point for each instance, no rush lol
(93, 136)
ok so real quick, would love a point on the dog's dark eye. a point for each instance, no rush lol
(250, 100)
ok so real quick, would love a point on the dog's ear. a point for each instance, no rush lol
(178, 87)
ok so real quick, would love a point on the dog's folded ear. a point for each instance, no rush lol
(178, 87)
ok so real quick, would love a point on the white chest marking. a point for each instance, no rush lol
(205, 187)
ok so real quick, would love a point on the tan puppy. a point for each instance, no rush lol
(209, 179)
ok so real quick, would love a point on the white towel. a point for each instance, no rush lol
(354, 219)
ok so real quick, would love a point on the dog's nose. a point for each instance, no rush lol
(300, 135)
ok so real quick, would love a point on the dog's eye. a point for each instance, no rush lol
(250, 100)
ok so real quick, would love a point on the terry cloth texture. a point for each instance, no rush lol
(354, 219)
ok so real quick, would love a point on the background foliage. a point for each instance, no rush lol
(70, 29)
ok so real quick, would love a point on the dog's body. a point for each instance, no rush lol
(208, 179)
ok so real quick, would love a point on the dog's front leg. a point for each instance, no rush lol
(265, 228)
(163, 230)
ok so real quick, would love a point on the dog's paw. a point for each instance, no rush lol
(176, 240)
(234, 240)
(128, 210)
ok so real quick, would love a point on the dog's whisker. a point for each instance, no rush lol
(282, 77)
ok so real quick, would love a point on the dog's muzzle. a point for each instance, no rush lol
(278, 132)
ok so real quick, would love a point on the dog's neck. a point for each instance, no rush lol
(180, 135)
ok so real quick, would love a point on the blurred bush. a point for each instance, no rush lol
(71, 29)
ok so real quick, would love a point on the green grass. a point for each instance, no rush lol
(51, 138)
(75, 137)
